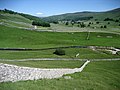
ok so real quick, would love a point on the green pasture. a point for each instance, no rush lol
(20, 38)
(84, 53)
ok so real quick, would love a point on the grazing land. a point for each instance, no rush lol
(96, 30)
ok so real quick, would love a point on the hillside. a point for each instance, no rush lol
(86, 15)
(19, 20)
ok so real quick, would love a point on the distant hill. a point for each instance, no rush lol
(86, 15)
(12, 16)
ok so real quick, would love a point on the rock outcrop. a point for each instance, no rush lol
(16, 73)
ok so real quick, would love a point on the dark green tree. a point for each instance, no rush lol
(59, 51)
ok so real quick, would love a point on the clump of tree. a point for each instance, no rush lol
(8, 11)
(108, 22)
(59, 51)
(88, 25)
(82, 25)
(72, 22)
(97, 22)
(116, 20)
(103, 26)
(108, 19)
(41, 23)
(67, 23)
(55, 22)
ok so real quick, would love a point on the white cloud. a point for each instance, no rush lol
(39, 13)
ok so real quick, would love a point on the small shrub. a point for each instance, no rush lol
(97, 22)
(105, 26)
(89, 22)
(101, 26)
(59, 51)
(116, 20)
(88, 25)
(108, 22)
(66, 23)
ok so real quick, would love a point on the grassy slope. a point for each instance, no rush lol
(14, 20)
(12, 37)
(14, 17)
(96, 76)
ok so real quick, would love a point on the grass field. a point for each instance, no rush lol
(18, 38)
(85, 53)
(96, 76)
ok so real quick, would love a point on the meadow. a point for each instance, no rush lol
(19, 38)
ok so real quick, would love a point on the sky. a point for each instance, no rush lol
(54, 7)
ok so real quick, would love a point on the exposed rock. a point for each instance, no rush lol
(16, 73)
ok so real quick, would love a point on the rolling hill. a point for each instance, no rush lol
(15, 19)
(86, 15)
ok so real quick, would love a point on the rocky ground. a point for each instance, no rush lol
(16, 73)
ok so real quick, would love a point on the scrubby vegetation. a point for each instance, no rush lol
(40, 23)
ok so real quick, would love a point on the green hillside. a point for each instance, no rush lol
(115, 14)
(13, 37)
(19, 20)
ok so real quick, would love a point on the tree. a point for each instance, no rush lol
(105, 26)
(101, 26)
(97, 22)
(116, 20)
(89, 22)
(41, 23)
(88, 25)
(108, 19)
(59, 51)
(82, 25)
(108, 22)
(66, 23)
